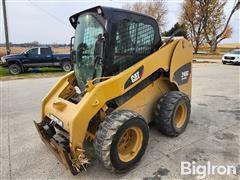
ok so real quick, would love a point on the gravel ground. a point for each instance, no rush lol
(212, 134)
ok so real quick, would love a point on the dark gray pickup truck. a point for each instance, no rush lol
(36, 57)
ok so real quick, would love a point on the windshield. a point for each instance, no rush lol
(86, 35)
(235, 51)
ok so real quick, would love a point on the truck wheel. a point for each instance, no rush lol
(172, 113)
(223, 62)
(121, 140)
(67, 66)
(15, 69)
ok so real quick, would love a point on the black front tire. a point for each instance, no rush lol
(15, 69)
(110, 134)
(67, 66)
(172, 113)
(224, 62)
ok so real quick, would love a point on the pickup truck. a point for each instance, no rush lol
(35, 57)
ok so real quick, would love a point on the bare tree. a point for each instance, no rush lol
(206, 21)
(194, 22)
(154, 8)
(216, 26)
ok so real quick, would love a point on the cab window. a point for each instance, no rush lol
(45, 51)
(33, 51)
(133, 42)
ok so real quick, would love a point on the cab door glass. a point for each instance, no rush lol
(33, 52)
(45, 52)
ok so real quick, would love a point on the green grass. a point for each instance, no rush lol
(32, 73)
(3, 72)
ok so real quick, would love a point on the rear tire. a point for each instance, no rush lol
(121, 140)
(172, 113)
(15, 69)
(67, 66)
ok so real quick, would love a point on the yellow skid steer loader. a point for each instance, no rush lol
(124, 77)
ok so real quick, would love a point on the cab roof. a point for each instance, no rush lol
(107, 13)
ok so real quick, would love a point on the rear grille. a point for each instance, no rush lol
(228, 57)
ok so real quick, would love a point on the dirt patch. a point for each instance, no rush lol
(225, 136)
(236, 112)
(202, 104)
(217, 96)
(158, 174)
(232, 154)
(161, 172)
(238, 169)
(204, 61)
(197, 155)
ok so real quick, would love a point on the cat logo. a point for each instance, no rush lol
(134, 77)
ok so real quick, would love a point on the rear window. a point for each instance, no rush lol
(45, 51)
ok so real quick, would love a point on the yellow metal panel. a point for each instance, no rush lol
(145, 101)
(181, 56)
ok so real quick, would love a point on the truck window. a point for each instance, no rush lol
(45, 51)
(33, 51)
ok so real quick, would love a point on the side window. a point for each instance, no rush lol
(33, 52)
(145, 39)
(133, 42)
(44, 51)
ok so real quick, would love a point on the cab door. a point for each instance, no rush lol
(31, 57)
(45, 56)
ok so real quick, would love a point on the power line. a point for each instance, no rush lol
(48, 13)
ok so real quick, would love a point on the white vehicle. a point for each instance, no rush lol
(232, 57)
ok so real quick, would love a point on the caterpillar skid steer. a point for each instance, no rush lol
(124, 77)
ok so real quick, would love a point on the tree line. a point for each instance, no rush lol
(200, 21)
(35, 44)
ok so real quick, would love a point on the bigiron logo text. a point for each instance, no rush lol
(202, 171)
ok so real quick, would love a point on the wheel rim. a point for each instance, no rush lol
(67, 67)
(14, 70)
(130, 144)
(180, 115)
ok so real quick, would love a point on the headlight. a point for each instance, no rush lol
(56, 120)
(3, 60)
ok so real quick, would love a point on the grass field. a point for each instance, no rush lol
(32, 73)
(16, 50)
(207, 56)
(222, 48)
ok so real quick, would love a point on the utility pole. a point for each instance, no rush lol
(6, 27)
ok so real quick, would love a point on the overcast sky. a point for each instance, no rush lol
(47, 21)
